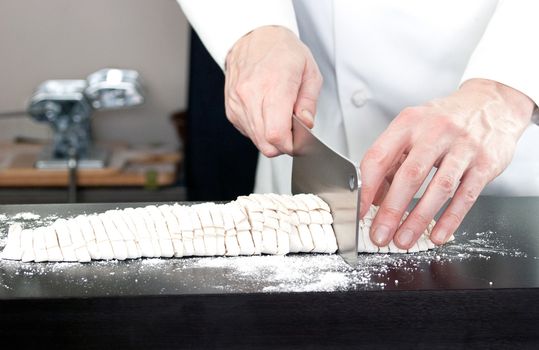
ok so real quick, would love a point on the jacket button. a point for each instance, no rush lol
(359, 98)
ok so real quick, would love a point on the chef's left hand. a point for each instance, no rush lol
(469, 136)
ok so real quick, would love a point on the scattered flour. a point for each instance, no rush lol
(326, 273)
(290, 273)
(26, 216)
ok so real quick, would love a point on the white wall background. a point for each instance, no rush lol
(69, 39)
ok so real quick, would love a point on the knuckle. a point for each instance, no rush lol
(470, 195)
(244, 89)
(445, 183)
(420, 219)
(392, 214)
(413, 173)
(449, 125)
(486, 166)
(408, 114)
(273, 136)
(453, 219)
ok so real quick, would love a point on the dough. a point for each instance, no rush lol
(27, 245)
(87, 233)
(254, 224)
(150, 227)
(54, 252)
(77, 241)
(174, 230)
(142, 235)
(64, 240)
(13, 249)
(163, 236)
(115, 237)
(295, 241)
(102, 240)
(40, 250)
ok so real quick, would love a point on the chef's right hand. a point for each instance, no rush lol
(269, 75)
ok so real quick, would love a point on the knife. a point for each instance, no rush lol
(319, 170)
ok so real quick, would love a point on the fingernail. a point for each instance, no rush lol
(307, 115)
(380, 234)
(405, 237)
(439, 236)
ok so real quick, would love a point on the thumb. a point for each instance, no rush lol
(305, 106)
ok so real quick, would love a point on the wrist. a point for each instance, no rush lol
(264, 34)
(520, 105)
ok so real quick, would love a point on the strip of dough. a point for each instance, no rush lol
(64, 239)
(128, 236)
(165, 241)
(142, 234)
(150, 227)
(174, 229)
(115, 237)
(331, 240)
(295, 241)
(269, 241)
(124, 220)
(89, 236)
(40, 250)
(27, 245)
(101, 238)
(203, 212)
(306, 238)
(186, 225)
(211, 242)
(319, 238)
(54, 252)
(77, 241)
(231, 243)
(13, 249)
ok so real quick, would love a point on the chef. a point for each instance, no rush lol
(433, 99)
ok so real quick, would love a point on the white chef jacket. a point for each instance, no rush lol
(378, 57)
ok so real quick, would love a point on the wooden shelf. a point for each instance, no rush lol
(127, 166)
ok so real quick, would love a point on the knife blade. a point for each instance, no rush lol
(320, 170)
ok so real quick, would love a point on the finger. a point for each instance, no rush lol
(277, 111)
(471, 186)
(253, 119)
(245, 103)
(381, 193)
(259, 137)
(305, 107)
(406, 183)
(386, 183)
(440, 189)
(377, 162)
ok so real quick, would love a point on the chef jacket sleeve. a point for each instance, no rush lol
(220, 23)
(508, 52)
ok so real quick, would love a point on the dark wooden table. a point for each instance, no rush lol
(484, 298)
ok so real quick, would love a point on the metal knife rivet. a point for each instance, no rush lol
(352, 182)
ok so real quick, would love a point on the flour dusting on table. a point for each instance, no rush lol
(290, 273)
(26, 216)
